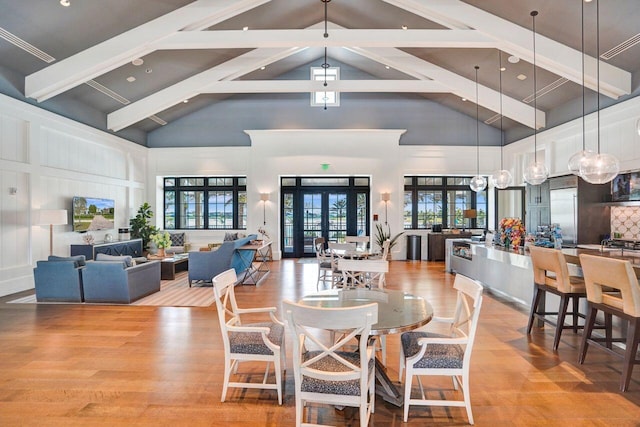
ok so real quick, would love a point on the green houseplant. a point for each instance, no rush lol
(383, 234)
(162, 241)
(141, 227)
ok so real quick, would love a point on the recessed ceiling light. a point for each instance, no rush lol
(245, 28)
(137, 61)
(587, 1)
(404, 27)
(387, 67)
(513, 59)
(148, 71)
(521, 77)
(503, 68)
(65, 3)
(262, 68)
(131, 79)
(185, 101)
(464, 99)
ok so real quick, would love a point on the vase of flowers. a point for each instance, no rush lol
(512, 232)
(162, 241)
(263, 233)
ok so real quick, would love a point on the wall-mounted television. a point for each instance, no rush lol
(92, 213)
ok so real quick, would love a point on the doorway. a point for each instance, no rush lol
(329, 207)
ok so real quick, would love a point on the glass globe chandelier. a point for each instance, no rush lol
(501, 178)
(478, 183)
(536, 173)
(583, 155)
(601, 167)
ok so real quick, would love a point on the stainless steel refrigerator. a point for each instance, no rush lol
(564, 211)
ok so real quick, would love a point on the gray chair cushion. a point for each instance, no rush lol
(437, 355)
(252, 343)
(325, 264)
(347, 388)
(126, 259)
(79, 260)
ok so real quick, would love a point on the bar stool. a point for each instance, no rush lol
(612, 287)
(560, 283)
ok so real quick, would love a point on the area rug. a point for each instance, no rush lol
(173, 293)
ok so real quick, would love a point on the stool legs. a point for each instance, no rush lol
(538, 295)
(586, 334)
(633, 337)
(562, 313)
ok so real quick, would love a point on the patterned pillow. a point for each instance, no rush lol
(230, 236)
(177, 239)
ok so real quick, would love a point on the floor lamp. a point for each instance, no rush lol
(264, 197)
(52, 217)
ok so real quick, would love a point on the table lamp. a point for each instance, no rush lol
(51, 217)
(469, 214)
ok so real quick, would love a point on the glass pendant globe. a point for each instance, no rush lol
(578, 159)
(600, 169)
(502, 179)
(478, 183)
(536, 173)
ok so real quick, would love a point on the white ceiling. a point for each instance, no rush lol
(199, 51)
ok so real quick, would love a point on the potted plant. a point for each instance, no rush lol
(383, 234)
(141, 227)
(162, 241)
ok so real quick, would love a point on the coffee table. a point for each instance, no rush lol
(169, 266)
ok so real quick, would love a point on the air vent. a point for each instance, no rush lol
(97, 86)
(27, 47)
(545, 90)
(617, 50)
(492, 119)
(158, 120)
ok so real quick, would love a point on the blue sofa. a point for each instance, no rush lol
(113, 282)
(59, 279)
(203, 266)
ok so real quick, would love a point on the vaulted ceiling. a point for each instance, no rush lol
(80, 60)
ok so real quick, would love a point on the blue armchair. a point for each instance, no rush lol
(203, 266)
(58, 281)
(111, 281)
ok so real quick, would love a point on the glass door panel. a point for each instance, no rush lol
(287, 223)
(337, 209)
(312, 225)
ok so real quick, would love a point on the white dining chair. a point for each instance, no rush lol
(363, 273)
(263, 342)
(424, 353)
(325, 266)
(338, 251)
(324, 373)
(362, 242)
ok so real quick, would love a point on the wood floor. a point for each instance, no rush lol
(75, 365)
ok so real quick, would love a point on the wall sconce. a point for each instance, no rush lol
(265, 198)
(51, 217)
(385, 197)
(13, 191)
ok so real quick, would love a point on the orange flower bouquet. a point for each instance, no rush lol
(512, 232)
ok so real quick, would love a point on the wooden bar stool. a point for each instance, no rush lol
(551, 274)
(612, 287)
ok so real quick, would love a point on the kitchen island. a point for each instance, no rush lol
(509, 272)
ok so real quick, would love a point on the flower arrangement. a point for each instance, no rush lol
(263, 232)
(162, 240)
(511, 231)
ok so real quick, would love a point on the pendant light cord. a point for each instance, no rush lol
(501, 132)
(535, 94)
(598, 65)
(477, 126)
(325, 65)
(326, 33)
(584, 133)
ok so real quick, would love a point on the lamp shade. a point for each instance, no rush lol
(600, 168)
(51, 217)
(478, 183)
(264, 197)
(502, 179)
(470, 213)
(536, 173)
(385, 197)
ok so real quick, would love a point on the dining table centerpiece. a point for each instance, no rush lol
(511, 232)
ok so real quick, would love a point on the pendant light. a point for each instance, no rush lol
(600, 168)
(325, 64)
(536, 173)
(478, 183)
(582, 156)
(502, 178)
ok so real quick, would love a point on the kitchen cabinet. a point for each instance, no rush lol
(537, 210)
(436, 244)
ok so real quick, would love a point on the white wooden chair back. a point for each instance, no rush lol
(323, 372)
(362, 242)
(363, 273)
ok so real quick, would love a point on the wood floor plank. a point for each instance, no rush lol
(104, 365)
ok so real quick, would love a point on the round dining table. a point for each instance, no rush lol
(398, 312)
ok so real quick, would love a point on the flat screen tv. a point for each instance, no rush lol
(91, 213)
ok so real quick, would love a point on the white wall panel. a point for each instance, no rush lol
(13, 138)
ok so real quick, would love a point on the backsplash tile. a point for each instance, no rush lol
(625, 220)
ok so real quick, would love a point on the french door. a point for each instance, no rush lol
(310, 211)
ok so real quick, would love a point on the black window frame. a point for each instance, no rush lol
(236, 188)
(444, 188)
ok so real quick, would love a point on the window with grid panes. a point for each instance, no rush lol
(215, 203)
(430, 200)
